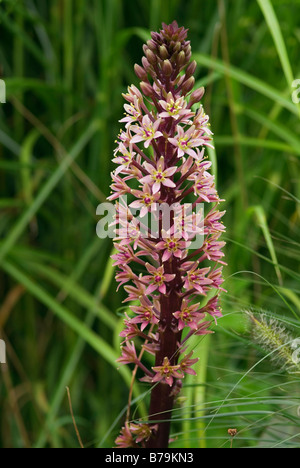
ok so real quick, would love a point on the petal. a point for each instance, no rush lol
(168, 183)
(137, 139)
(156, 125)
(161, 163)
(190, 371)
(156, 187)
(162, 289)
(192, 153)
(178, 254)
(149, 168)
(151, 288)
(169, 278)
(166, 256)
(143, 212)
(171, 171)
(164, 115)
(173, 141)
(164, 104)
(136, 204)
(157, 377)
(150, 268)
(146, 180)
(169, 380)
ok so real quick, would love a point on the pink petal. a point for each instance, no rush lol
(169, 278)
(156, 187)
(150, 268)
(173, 141)
(168, 183)
(149, 168)
(146, 180)
(157, 378)
(151, 289)
(143, 212)
(192, 153)
(169, 380)
(137, 139)
(166, 256)
(190, 371)
(164, 115)
(156, 125)
(171, 171)
(136, 204)
(178, 254)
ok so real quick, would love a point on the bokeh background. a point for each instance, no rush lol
(65, 64)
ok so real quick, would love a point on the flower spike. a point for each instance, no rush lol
(167, 267)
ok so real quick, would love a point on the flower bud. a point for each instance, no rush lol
(145, 63)
(188, 56)
(167, 68)
(177, 46)
(147, 89)
(188, 85)
(151, 57)
(181, 59)
(152, 45)
(191, 68)
(196, 96)
(155, 36)
(140, 72)
(163, 52)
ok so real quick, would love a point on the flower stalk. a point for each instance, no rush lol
(161, 163)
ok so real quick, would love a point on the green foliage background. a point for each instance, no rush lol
(65, 64)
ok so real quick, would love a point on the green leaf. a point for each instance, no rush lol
(248, 80)
(75, 291)
(21, 224)
(262, 222)
(96, 342)
(274, 27)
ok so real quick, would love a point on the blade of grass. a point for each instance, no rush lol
(19, 227)
(31, 46)
(275, 30)
(74, 290)
(90, 337)
(262, 222)
(248, 80)
(78, 349)
(227, 140)
(278, 128)
(25, 160)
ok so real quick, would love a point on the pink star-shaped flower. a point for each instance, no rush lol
(159, 175)
(171, 246)
(166, 373)
(157, 278)
(147, 132)
(188, 316)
